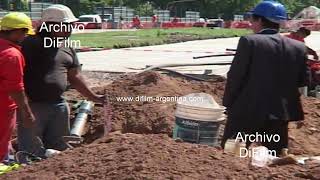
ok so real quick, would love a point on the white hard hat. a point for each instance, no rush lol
(58, 13)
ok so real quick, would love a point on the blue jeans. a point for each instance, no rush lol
(52, 123)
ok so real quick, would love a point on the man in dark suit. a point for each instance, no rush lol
(261, 93)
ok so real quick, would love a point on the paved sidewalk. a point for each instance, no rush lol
(124, 60)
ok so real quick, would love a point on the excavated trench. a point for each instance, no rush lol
(141, 146)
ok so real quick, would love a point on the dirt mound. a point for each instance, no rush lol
(151, 107)
(150, 153)
(305, 140)
(133, 156)
(154, 117)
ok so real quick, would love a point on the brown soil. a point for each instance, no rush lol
(133, 156)
(147, 117)
(158, 117)
(151, 156)
(306, 140)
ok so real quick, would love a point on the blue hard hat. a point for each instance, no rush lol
(271, 10)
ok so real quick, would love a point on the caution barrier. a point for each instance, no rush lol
(240, 24)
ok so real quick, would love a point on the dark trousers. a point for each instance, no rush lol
(52, 123)
(267, 127)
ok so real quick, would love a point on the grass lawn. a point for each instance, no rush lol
(148, 37)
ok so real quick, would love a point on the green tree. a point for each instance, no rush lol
(86, 7)
(208, 8)
(145, 9)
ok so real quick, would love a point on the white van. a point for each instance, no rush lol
(90, 21)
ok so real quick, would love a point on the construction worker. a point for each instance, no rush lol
(46, 75)
(121, 23)
(154, 21)
(136, 23)
(262, 90)
(313, 66)
(175, 20)
(13, 29)
(300, 35)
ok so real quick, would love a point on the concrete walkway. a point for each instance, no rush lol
(90, 31)
(133, 59)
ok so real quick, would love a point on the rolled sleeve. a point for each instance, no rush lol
(75, 59)
(12, 74)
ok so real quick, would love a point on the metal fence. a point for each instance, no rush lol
(35, 9)
(127, 14)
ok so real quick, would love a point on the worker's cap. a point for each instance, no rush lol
(302, 29)
(58, 13)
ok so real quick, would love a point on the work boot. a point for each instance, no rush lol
(23, 157)
(37, 154)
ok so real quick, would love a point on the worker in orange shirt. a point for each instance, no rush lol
(300, 35)
(13, 29)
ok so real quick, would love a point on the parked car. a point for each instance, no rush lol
(90, 21)
(200, 23)
(212, 23)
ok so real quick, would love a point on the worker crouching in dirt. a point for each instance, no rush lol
(313, 65)
(47, 71)
(262, 90)
(14, 27)
(300, 35)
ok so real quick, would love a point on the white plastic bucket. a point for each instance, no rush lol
(198, 122)
(200, 107)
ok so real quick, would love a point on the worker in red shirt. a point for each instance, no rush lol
(13, 29)
(175, 20)
(314, 66)
(155, 21)
(136, 22)
(300, 35)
